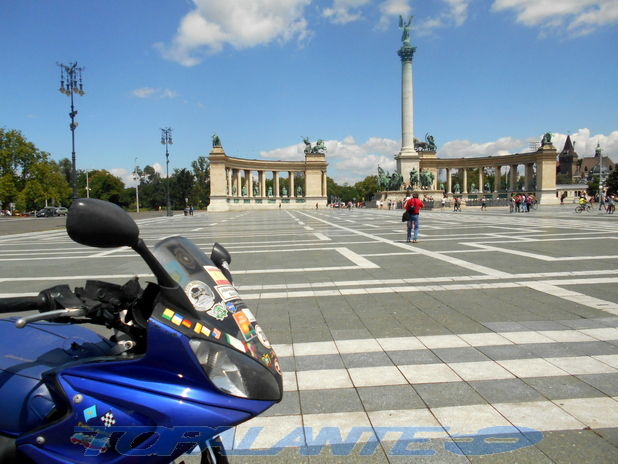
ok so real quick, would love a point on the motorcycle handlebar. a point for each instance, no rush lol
(25, 303)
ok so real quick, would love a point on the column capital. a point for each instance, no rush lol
(406, 53)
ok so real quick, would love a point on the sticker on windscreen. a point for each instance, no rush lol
(200, 295)
(227, 292)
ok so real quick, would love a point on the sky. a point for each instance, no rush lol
(489, 78)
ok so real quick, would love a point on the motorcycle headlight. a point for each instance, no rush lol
(235, 373)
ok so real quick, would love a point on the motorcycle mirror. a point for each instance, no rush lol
(219, 254)
(100, 224)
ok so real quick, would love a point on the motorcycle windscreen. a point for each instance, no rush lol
(224, 318)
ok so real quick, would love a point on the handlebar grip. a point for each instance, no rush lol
(25, 303)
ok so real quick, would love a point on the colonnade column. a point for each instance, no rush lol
(449, 182)
(228, 179)
(498, 179)
(324, 184)
(513, 178)
(291, 183)
(528, 176)
(238, 183)
(481, 179)
(249, 183)
(276, 193)
(262, 181)
(465, 181)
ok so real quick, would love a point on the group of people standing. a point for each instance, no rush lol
(520, 203)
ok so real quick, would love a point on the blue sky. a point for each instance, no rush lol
(489, 78)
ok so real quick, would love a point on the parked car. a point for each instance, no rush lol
(49, 211)
(62, 211)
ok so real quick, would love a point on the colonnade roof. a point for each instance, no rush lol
(489, 161)
(268, 165)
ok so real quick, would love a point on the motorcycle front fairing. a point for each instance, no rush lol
(207, 367)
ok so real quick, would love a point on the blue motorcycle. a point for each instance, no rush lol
(185, 361)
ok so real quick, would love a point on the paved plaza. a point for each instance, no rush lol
(493, 339)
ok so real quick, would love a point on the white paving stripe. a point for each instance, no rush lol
(415, 374)
(551, 288)
(357, 259)
(430, 342)
(449, 259)
(430, 423)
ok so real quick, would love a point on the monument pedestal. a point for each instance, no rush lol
(407, 159)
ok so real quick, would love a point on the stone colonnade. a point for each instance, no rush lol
(228, 192)
(544, 159)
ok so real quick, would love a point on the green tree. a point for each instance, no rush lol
(366, 188)
(181, 189)
(105, 186)
(45, 182)
(17, 157)
(201, 171)
(152, 189)
(612, 183)
(593, 186)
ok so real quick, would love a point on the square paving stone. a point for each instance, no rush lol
(438, 395)
(593, 348)
(501, 352)
(375, 359)
(544, 325)
(556, 388)
(330, 401)
(551, 350)
(413, 357)
(390, 397)
(463, 354)
(289, 405)
(312, 363)
(505, 391)
(606, 383)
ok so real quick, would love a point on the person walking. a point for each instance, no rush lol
(413, 206)
(483, 203)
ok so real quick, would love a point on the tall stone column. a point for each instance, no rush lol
(464, 188)
(262, 183)
(498, 179)
(408, 158)
(291, 193)
(276, 192)
(249, 183)
(481, 179)
(528, 175)
(513, 178)
(238, 183)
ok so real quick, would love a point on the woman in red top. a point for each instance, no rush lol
(413, 206)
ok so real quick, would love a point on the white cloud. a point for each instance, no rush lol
(393, 8)
(144, 92)
(466, 149)
(239, 23)
(571, 17)
(347, 161)
(344, 11)
(454, 15)
(586, 144)
(149, 92)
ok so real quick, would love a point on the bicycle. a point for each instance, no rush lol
(585, 207)
(534, 204)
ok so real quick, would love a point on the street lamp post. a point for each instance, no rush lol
(73, 74)
(87, 184)
(137, 179)
(166, 139)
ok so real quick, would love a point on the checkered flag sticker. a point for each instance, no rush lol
(108, 419)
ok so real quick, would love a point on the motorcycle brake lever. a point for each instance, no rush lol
(69, 312)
